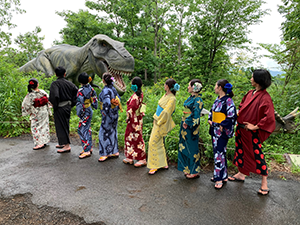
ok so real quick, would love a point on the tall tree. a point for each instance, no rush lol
(82, 26)
(221, 25)
(7, 8)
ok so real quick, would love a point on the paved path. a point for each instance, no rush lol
(115, 193)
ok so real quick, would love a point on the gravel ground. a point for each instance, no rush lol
(20, 210)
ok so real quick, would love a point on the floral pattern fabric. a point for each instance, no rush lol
(86, 97)
(220, 138)
(188, 150)
(108, 135)
(134, 143)
(39, 117)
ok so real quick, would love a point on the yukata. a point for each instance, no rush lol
(108, 135)
(188, 149)
(258, 110)
(222, 113)
(163, 123)
(63, 96)
(39, 117)
(134, 142)
(86, 97)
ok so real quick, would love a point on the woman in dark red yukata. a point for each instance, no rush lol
(256, 121)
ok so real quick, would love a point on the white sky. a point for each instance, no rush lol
(42, 13)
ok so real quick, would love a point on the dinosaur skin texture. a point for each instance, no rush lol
(101, 54)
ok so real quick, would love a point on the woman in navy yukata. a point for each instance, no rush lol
(86, 97)
(188, 149)
(222, 118)
(109, 106)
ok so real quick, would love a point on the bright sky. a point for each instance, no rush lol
(42, 13)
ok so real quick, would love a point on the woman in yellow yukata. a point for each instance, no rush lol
(162, 124)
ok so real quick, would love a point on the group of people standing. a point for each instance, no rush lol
(255, 122)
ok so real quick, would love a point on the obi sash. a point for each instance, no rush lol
(87, 102)
(141, 109)
(116, 102)
(186, 113)
(159, 109)
(218, 117)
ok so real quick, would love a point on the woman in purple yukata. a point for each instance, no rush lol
(86, 97)
(222, 118)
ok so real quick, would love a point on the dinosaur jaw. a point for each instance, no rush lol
(118, 76)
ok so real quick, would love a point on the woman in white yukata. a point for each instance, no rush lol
(36, 105)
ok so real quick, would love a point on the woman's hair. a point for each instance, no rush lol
(263, 78)
(108, 78)
(226, 88)
(192, 82)
(171, 82)
(84, 78)
(138, 82)
(60, 71)
(32, 84)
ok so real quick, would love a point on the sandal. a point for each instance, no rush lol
(114, 155)
(84, 155)
(38, 147)
(140, 163)
(152, 171)
(218, 185)
(128, 161)
(263, 190)
(102, 158)
(60, 146)
(213, 180)
(64, 150)
(165, 168)
(192, 176)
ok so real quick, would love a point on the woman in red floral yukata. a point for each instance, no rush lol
(134, 142)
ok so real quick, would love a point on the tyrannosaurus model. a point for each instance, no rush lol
(101, 54)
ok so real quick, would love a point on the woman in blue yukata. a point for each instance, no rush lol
(188, 150)
(109, 106)
(222, 118)
(86, 97)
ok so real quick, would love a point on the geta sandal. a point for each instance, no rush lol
(140, 163)
(85, 155)
(60, 146)
(64, 150)
(102, 158)
(192, 176)
(263, 190)
(218, 185)
(152, 171)
(127, 161)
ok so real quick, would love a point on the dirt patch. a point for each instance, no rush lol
(19, 209)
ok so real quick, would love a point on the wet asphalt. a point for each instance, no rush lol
(114, 193)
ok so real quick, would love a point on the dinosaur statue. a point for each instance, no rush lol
(101, 54)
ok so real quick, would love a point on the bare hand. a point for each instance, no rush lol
(221, 128)
(184, 125)
(210, 123)
(249, 126)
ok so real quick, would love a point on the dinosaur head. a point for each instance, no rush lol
(108, 55)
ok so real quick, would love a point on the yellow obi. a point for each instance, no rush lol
(218, 117)
(116, 102)
(87, 102)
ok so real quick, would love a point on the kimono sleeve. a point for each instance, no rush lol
(54, 95)
(27, 106)
(80, 104)
(94, 99)
(230, 114)
(194, 118)
(167, 112)
(132, 107)
(267, 116)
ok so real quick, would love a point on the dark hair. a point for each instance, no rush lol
(171, 82)
(263, 78)
(107, 78)
(32, 84)
(222, 83)
(83, 78)
(192, 82)
(138, 82)
(60, 71)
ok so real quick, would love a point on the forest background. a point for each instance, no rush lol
(182, 39)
